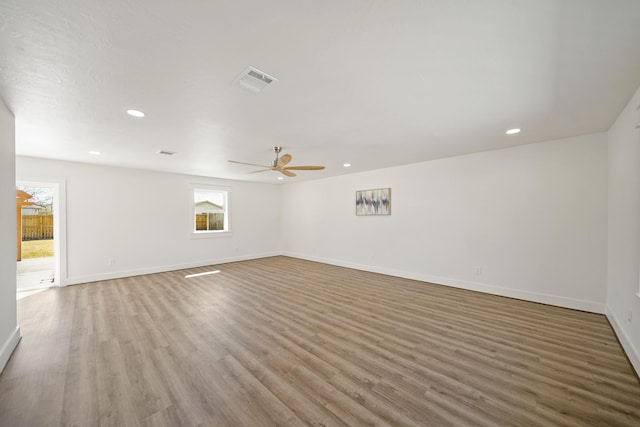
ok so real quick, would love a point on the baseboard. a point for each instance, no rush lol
(7, 349)
(559, 301)
(632, 353)
(162, 268)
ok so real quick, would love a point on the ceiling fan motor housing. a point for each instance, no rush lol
(276, 149)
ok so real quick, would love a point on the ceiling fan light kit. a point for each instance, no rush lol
(279, 164)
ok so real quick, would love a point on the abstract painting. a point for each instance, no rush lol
(373, 202)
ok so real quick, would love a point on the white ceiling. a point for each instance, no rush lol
(371, 82)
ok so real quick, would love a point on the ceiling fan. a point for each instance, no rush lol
(280, 164)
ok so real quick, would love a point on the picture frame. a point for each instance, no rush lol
(373, 202)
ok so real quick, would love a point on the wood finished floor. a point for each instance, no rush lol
(285, 342)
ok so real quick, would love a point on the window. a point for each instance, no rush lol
(209, 211)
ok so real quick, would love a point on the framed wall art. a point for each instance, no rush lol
(373, 202)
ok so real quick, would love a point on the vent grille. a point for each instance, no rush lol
(254, 80)
(167, 152)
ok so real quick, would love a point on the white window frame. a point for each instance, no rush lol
(207, 234)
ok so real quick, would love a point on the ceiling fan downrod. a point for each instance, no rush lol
(276, 149)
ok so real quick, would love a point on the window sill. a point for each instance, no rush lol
(210, 234)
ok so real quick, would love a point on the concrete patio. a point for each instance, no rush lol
(35, 273)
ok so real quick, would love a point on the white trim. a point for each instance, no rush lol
(632, 353)
(573, 303)
(210, 234)
(164, 268)
(7, 349)
(60, 229)
(206, 234)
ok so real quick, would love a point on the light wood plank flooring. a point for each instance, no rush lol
(285, 342)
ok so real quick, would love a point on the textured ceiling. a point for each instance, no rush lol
(372, 83)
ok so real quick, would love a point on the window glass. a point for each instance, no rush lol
(210, 210)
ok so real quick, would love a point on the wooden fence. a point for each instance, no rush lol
(209, 221)
(37, 227)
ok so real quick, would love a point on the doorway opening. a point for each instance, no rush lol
(38, 235)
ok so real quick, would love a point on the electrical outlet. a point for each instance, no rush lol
(111, 262)
(630, 316)
(478, 271)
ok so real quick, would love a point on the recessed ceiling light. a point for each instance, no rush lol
(280, 178)
(347, 165)
(95, 153)
(135, 113)
(513, 131)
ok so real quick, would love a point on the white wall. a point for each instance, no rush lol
(623, 269)
(141, 219)
(532, 218)
(9, 331)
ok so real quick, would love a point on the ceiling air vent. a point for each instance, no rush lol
(167, 152)
(254, 80)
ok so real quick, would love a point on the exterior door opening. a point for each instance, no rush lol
(37, 235)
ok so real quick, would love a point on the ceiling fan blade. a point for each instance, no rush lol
(249, 164)
(283, 160)
(304, 168)
(261, 170)
(286, 172)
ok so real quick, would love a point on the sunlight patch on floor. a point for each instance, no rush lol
(188, 276)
